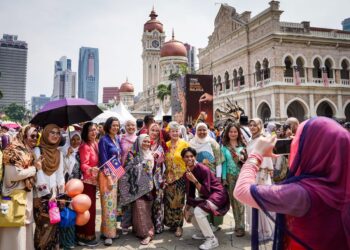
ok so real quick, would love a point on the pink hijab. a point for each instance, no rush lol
(321, 148)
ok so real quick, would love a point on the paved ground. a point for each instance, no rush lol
(168, 241)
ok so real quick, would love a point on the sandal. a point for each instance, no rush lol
(239, 232)
(178, 232)
(146, 240)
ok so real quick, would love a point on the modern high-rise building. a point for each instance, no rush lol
(38, 102)
(191, 57)
(13, 70)
(64, 80)
(346, 24)
(88, 74)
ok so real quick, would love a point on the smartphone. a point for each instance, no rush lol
(282, 147)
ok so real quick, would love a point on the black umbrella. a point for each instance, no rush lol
(66, 111)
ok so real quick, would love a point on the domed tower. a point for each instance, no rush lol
(126, 93)
(172, 54)
(152, 40)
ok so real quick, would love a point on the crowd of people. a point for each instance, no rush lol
(176, 173)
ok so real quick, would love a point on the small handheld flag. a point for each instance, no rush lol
(115, 167)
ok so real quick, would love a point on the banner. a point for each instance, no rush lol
(178, 100)
(199, 99)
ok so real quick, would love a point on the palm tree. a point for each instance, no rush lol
(163, 91)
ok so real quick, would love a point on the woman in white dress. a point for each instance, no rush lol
(265, 229)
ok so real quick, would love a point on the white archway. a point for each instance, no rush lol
(341, 60)
(319, 58)
(304, 105)
(264, 110)
(331, 59)
(304, 58)
(288, 55)
(331, 104)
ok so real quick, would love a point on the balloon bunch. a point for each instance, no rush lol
(80, 202)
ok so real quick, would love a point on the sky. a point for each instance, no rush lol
(56, 28)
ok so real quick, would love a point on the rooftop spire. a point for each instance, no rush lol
(173, 34)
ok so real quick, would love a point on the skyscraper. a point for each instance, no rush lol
(88, 74)
(13, 70)
(346, 24)
(191, 57)
(64, 80)
(38, 102)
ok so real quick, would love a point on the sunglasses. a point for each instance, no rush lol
(34, 137)
(55, 133)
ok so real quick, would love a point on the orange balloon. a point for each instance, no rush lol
(82, 218)
(81, 203)
(74, 187)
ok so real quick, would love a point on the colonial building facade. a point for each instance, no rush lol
(276, 69)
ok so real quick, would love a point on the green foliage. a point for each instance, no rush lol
(15, 112)
(163, 91)
(183, 70)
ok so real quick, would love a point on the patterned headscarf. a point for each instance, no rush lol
(17, 153)
(49, 151)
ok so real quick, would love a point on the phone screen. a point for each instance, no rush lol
(282, 146)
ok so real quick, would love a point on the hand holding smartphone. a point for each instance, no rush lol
(282, 147)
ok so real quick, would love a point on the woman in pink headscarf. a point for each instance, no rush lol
(314, 202)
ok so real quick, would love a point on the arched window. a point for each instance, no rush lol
(344, 72)
(266, 69)
(258, 71)
(300, 66)
(214, 83)
(219, 83)
(288, 62)
(240, 76)
(235, 78)
(227, 80)
(329, 68)
(316, 71)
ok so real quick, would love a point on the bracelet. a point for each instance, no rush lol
(253, 161)
(258, 157)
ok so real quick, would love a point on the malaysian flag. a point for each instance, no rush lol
(325, 77)
(297, 76)
(115, 167)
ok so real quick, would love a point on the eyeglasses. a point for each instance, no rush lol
(34, 137)
(55, 133)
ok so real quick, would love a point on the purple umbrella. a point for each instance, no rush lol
(66, 111)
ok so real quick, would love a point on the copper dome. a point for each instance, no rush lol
(173, 48)
(153, 23)
(126, 87)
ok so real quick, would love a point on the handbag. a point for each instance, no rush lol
(13, 209)
(68, 217)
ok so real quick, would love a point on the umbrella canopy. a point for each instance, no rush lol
(66, 111)
(9, 124)
(104, 116)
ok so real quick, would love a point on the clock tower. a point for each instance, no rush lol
(152, 40)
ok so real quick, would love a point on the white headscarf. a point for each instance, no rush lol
(202, 144)
(145, 154)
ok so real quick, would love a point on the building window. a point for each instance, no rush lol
(316, 71)
(266, 69)
(344, 72)
(258, 71)
(288, 72)
(227, 80)
(241, 76)
(219, 83)
(329, 68)
(235, 78)
(300, 66)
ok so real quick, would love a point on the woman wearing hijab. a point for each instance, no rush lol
(314, 202)
(208, 153)
(174, 193)
(158, 148)
(265, 230)
(126, 142)
(109, 146)
(234, 155)
(19, 171)
(71, 157)
(49, 183)
(88, 152)
(140, 169)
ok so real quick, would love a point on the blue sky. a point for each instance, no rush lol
(55, 28)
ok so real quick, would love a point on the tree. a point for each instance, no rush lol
(163, 91)
(15, 112)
